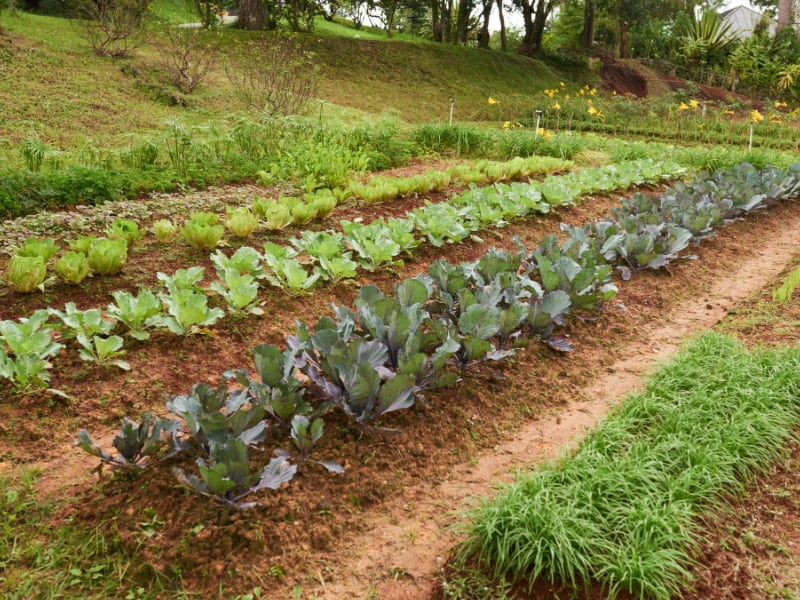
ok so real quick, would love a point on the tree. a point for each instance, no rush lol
(258, 15)
(534, 15)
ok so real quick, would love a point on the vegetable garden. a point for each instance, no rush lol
(285, 365)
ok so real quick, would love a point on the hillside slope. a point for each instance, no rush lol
(51, 84)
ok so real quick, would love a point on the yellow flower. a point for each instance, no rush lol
(556, 106)
(756, 117)
(540, 131)
(692, 103)
(566, 97)
(493, 101)
(547, 135)
(580, 92)
(683, 106)
(561, 83)
(779, 104)
(507, 125)
(613, 92)
(518, 124)
(729, 112)
(592, 110)
(795, 112)
(776, 119)
(593, 91)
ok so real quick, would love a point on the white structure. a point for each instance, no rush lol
(743, 21)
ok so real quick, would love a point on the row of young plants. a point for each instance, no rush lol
(27, 269)
(377, 358)
(183, 308)
(634, 237)
(312, 153)
(624, 511)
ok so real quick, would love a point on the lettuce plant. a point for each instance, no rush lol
(44, 248)
(26, 274)
(245, 260)
(286, 272)
(164, 230)
(125, 229)
(203, 231)
(104, 351)
(82, 244)
(241, 222)
(107, 257)
(276, 216)
(72, 267)
(372, 243)
(182, 279)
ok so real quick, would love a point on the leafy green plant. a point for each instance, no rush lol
(276, 216)
(203, 231)
(241, 222)
(139, 445)
(442, 223)
(82, 244)
(305, 434)
(26, 274)
(104, 351)
(44, 248)
(227, 479)
(239, 290)
(279, 391)
(286, 272)
(125, 229)
(182, 279)
(164, 230)
(187, 312)
(373, 244)
(135, 312)
(107, 257)
(72, 267)
(245, 260)
(27, 344)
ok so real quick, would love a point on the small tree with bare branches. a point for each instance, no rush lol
(275, 75)
(188, 57)
(113, 27)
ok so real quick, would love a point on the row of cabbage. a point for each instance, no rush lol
(381, 355)
(91, 255)
(182, 307)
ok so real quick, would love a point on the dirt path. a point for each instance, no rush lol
(397, 557)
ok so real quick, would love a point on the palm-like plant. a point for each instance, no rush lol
(707, 39)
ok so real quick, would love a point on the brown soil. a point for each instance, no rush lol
(383, 525)
(631, 77)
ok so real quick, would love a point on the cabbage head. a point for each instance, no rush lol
(73, 267)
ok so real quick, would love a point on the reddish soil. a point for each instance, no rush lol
(382, 527)
(629, 77)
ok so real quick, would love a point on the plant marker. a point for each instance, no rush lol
(452, 104)
(538, 112)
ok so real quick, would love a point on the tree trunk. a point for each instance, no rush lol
(483, 35)
(784, 14)
(462, 20)
(543, 10)
(253, 15)
(587, 39)
(503, 37)
(624, 52)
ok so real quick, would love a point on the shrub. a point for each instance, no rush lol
(187, 57)
(112, 27)
(276, 76)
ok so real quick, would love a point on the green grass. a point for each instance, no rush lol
(175, 11)
(623, 509)
(40, 559)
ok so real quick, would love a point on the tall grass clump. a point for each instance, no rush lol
(458, 139)
(623, 509)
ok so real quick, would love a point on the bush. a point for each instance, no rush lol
(187, 57)
(275, 76)
(112, 27)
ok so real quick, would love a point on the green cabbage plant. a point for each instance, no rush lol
(202, 231)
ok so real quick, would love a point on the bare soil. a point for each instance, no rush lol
(383, 527)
